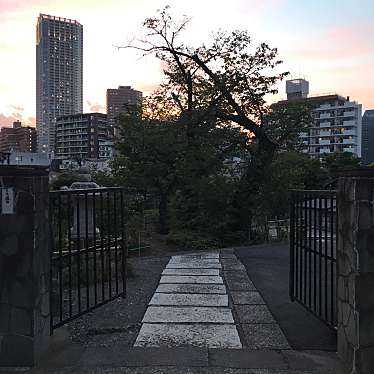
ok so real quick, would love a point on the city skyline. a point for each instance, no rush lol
(331, 47)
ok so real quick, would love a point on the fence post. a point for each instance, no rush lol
(292, 247)
(355, 271)
(24, 265)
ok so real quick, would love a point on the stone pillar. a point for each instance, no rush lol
(24, 265)
(355, 270)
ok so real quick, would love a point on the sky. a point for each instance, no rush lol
(328, 42)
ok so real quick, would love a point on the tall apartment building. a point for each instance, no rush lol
(336, 123)
(18, 138)
(120, 100)
(59, 75)
(368, 137)
(83, 136)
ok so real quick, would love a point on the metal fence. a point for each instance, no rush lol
(313, 252)
(88, 254)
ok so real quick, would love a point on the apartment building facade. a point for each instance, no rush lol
(83, 136)
(18, 138)
(368, 137)
(59, 75)
(337, 121)
(121, 100)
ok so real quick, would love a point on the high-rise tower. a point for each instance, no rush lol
(121, 100)
(59, 75)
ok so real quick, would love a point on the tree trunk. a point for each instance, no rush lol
(162, 211)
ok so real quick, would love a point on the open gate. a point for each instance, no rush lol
(313, 252)
(88, 256)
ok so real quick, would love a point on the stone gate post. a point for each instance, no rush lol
(24, 265)
(355, 270)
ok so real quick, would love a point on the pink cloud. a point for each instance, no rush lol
(341, 42)
(6, 121)
(96, 107)
(147, 89)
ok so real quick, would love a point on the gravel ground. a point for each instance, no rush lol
(118, 322)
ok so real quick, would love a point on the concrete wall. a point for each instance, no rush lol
(355, 261)
(24, 267)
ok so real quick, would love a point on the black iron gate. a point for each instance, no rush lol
(88, 254)
(313, 252)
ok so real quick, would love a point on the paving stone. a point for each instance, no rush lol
(237, 276)
(207, 279)
(234, 267)
(254, 314)
(192, 260)
(245, 358)
(170, 314)
(189, 299)
(168, 271)
(231, 262)
(247, 297)
(240, 286)
(172, 335)
(228, 256)
(192, 288)
(194, 265)
(264, 336)
(139, 357)
(177, 370)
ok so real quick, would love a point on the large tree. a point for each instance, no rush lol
(224, 82)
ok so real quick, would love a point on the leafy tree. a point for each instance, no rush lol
(227, 80)
(64, 179)
(210, 107)
(284, 124)
(149, 152)
(340, 161)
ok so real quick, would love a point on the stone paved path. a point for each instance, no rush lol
(226, 328)
(207, 300)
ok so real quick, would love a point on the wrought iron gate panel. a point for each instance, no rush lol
(88, 256)
(313, 252)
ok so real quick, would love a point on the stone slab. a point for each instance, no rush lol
(254, 314)
(119, 355)
(264, 336)
(198, 255)
(246, 358)
(194, 265)
(203, 279)
(247, 297)
(234, 285)
(170, 314)
(188, 299)
(192, 288)
(237, 276)
(174, 335)
(238, 267)
(168, 271)
(192, 260)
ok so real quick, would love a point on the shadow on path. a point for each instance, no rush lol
(268, 268)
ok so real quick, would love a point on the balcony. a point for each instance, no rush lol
(325, 124)
(351, 113)
(325, 115)
(324, 142)
(349, 149)
(348, 141)
(324, 150)
(324, 133)
(349, 132)
(349, 123)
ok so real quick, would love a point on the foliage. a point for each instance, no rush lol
(341, 161)
(210, 108)
(64, 179)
